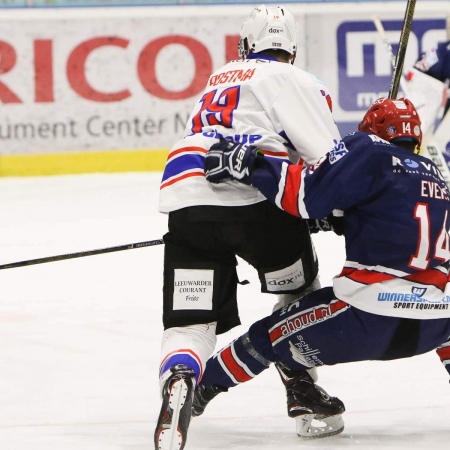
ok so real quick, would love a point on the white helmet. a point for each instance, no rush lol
(268, 27)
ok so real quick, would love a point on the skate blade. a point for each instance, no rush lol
(311, 426)
(170, 437)
(170, 440)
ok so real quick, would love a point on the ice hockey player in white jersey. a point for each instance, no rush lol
(427, 87)
(391, 299)
(428, 84)
(436, 64)
(256, 100)
(260, 99)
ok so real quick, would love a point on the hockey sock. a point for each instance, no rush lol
(444, 354)
(234, 364)
(190, 345)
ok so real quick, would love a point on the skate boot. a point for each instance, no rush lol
(202, 396)
(307, 402)
(173, 422)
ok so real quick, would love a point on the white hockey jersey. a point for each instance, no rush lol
(259, 101)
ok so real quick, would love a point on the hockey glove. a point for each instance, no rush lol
(329, 223)
(228, 160)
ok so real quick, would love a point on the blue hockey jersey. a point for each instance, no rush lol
(436, 62)
(396, 215)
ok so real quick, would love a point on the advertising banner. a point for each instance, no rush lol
(124, 79)
(80, 82)
(349, 55)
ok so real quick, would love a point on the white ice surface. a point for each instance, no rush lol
(79, 339)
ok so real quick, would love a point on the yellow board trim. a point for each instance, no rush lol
(83, 162)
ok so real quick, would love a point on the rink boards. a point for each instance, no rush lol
(111, 89)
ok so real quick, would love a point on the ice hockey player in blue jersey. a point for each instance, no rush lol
(391, 299)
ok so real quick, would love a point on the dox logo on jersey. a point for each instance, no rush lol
(364, 66)
(287, 279)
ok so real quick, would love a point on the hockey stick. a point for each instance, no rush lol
(117, 248)
(403, 44)
(379, 26)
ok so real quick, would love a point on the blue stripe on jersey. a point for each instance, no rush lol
(246, 362)
(264, 180)
(183, 163)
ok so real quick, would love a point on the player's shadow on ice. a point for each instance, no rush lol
(217, 437)
(436, 439)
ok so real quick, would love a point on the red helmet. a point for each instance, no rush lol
(392, 119)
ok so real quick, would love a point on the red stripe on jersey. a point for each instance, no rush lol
(233, 366)
(307, 318)
(443, 353)
(275, 334)
(337, 305)
(433, 276)
(186, 149)
(291, 190)
(345, 271)
(368, 276)
(182, 177)
(283, 154)
(330, 103)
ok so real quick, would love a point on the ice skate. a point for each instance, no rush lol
(173, 422)
(202, 396)
(316, 413)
